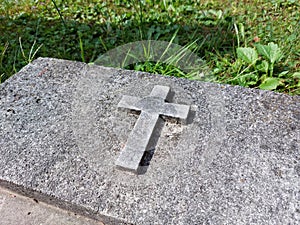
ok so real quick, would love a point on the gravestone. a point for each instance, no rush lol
(65, 141)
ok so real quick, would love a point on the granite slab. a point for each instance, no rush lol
(236, 160)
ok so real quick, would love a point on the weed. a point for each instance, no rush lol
(81, 46)
(32, 52)
(259, 68)
(59, 13)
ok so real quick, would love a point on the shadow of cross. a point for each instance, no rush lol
(151, 108)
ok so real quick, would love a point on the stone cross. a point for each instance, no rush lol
(151, 108)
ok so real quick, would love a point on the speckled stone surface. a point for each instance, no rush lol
(236, 161)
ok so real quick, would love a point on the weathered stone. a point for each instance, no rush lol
(236, 161)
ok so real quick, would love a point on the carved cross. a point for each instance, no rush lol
(151, 107)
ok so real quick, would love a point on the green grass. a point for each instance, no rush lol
(217, 31)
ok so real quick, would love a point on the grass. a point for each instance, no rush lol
(227, 35)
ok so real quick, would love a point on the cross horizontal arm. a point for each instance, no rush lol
(129, 102)
(176, 111)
